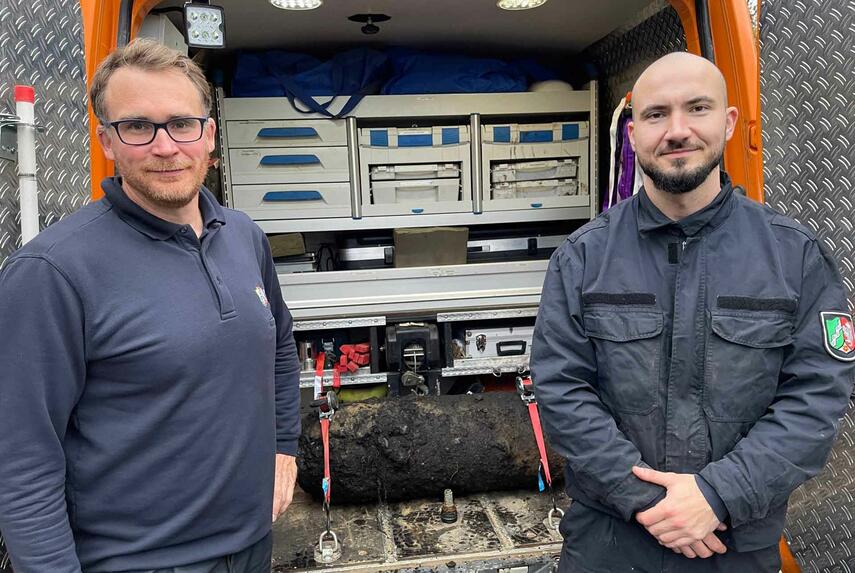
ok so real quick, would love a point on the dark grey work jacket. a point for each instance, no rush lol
(693, 346)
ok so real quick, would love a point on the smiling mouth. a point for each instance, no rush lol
(168, 171)
(678, 152)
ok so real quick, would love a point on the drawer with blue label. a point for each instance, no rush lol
(415, 171)
(293, 201)
(288, 165)
(414, 137)
(417, 191)
(516, 133)
(537, 189)
(286, 133)
(531, 170)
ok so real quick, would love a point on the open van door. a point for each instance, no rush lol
(42, 46)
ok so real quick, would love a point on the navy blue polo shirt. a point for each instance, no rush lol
(148, 378)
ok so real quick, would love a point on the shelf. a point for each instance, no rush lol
(475, 366)
(362, 376)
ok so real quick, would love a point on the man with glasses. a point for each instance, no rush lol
(149, 391)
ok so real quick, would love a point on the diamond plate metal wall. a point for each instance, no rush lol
(621, 56)
(807, 84)
(821, 518)
(41, 44)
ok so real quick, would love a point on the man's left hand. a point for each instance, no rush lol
(283, 485)
(683, 517)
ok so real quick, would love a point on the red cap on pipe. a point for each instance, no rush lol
(25, 93)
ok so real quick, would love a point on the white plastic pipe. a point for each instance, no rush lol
(29, 197)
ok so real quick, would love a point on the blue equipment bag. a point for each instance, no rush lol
(355, 73)
(425, 73)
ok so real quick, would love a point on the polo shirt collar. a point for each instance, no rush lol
(150, 225)
(650, 218)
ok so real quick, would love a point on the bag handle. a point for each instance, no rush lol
(295, 95)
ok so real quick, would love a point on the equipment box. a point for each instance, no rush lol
(414, 171)
(416, 192)
(497, 342)
(509, 173)
(534, 133)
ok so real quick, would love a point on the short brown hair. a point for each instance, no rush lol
(145, 54)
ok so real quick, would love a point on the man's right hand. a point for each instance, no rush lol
(683, 521)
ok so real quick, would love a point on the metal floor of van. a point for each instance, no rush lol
(494, 531)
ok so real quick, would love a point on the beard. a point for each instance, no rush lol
(681, 181)
(169, 195)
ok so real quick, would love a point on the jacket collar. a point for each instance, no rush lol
(650, 218)
(150, 225)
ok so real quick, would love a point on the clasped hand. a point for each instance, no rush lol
(683, 521)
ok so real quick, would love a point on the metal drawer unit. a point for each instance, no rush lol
(535, 166)
(300, 187)
(289, 169)
(414, 171)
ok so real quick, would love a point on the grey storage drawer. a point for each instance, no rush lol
(415, 191)
(293, 201)
(288, 165)
(286, 133)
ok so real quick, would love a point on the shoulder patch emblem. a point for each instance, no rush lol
(262, 296)
(838, 335)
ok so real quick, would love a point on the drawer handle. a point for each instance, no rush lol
(404, 187)
(285, 132)
(537, 205)
(290, 160)
(536, 166)
(292, 196)
(510, 348)
(418, 210)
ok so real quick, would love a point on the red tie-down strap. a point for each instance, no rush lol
(538, 436)
(526, 391)
(320, 360)
(325, 436)
(336, 377)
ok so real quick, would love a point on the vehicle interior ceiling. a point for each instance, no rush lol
(555, 37)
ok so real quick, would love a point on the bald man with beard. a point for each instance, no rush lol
(690, 356)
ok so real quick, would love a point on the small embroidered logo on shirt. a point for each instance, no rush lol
(259, 292)
(839, 335)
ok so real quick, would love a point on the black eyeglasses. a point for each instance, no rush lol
(143, 132)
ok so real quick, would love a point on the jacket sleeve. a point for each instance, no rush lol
(287, 368)
(791, 442)
(564, 372)
(41, 379)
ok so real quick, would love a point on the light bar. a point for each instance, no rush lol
(297, 4)
(519, 4)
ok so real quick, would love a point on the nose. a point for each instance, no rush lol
(162, 144)
(678, 127)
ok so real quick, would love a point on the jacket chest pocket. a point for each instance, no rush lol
(628, 345)
(745, 351)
